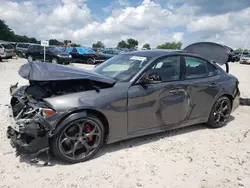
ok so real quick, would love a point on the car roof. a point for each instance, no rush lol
(154, 53)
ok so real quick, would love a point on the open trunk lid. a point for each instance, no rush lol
(211, 51)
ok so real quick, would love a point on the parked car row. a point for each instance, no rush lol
(53, 54)
(57, 54)
(65, 55)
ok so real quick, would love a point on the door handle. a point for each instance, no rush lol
(175, 90)
(212, 85)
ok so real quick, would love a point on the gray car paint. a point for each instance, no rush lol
(132, 109)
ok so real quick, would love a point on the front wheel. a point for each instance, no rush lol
(54, 61)
(30, 59)
(220, 113)
(80, 140)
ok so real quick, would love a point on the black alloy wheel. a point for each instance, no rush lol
(91, 61)
(80, 140)
(220, 113)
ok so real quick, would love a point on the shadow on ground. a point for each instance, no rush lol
(134, 142)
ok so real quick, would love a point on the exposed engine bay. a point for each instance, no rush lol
(31, 132)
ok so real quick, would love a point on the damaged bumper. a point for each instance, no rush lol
(28, 136)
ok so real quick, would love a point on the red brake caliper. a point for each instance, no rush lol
(88, 130)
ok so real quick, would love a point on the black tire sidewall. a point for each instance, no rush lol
(31, 58)
(19, 54)
(211, 122)
(55, 140)
(91, 61)
(54, 58)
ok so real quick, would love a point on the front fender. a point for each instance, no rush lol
(68, 119)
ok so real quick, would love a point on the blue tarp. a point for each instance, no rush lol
(81, 50)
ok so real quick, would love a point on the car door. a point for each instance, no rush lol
(161, 104)
(36, 52)
(201, 81)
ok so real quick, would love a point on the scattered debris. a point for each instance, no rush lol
(190, 159)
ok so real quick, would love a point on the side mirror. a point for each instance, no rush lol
(152, 78)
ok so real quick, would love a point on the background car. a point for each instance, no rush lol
(86, 55)
(7, 50)
(21, 49)
(53, 54)
(74, 112)
(245, 59)
(109, 52)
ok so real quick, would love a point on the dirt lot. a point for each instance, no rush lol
(192, 157)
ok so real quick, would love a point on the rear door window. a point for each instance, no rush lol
(195, 68)
(38, 48)
(23, 45)
(212, 71)
(198, 68)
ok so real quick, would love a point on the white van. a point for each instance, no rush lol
(6, 50)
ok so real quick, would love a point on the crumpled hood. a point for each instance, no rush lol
(40, 71)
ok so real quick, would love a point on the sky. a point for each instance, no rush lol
(148, 21)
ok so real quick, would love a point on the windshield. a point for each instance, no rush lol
(7, 46)
(122, 67)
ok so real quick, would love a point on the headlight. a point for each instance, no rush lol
(70, 56)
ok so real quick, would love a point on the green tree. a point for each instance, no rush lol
(7, 34)
(98, 44)
(132, 43)
(75, 45)
(170, 45)
(147, 46)
(122, 44)
(55, 42)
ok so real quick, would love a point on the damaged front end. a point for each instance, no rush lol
(32, 119)
(28, 131)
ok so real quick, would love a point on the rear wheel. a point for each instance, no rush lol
(19, 54)
(91, 61)
(30, 58)
(220, 113)
(80, 140)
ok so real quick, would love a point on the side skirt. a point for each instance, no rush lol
(145, 132)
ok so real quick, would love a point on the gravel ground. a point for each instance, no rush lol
(190, 157)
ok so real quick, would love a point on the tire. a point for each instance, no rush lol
(54, 61)
(30, 58)
(91, 61)
(59, 149)
(218, 118)
(1, 59)
(19, 54)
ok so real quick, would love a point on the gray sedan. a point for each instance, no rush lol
(73, 112)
